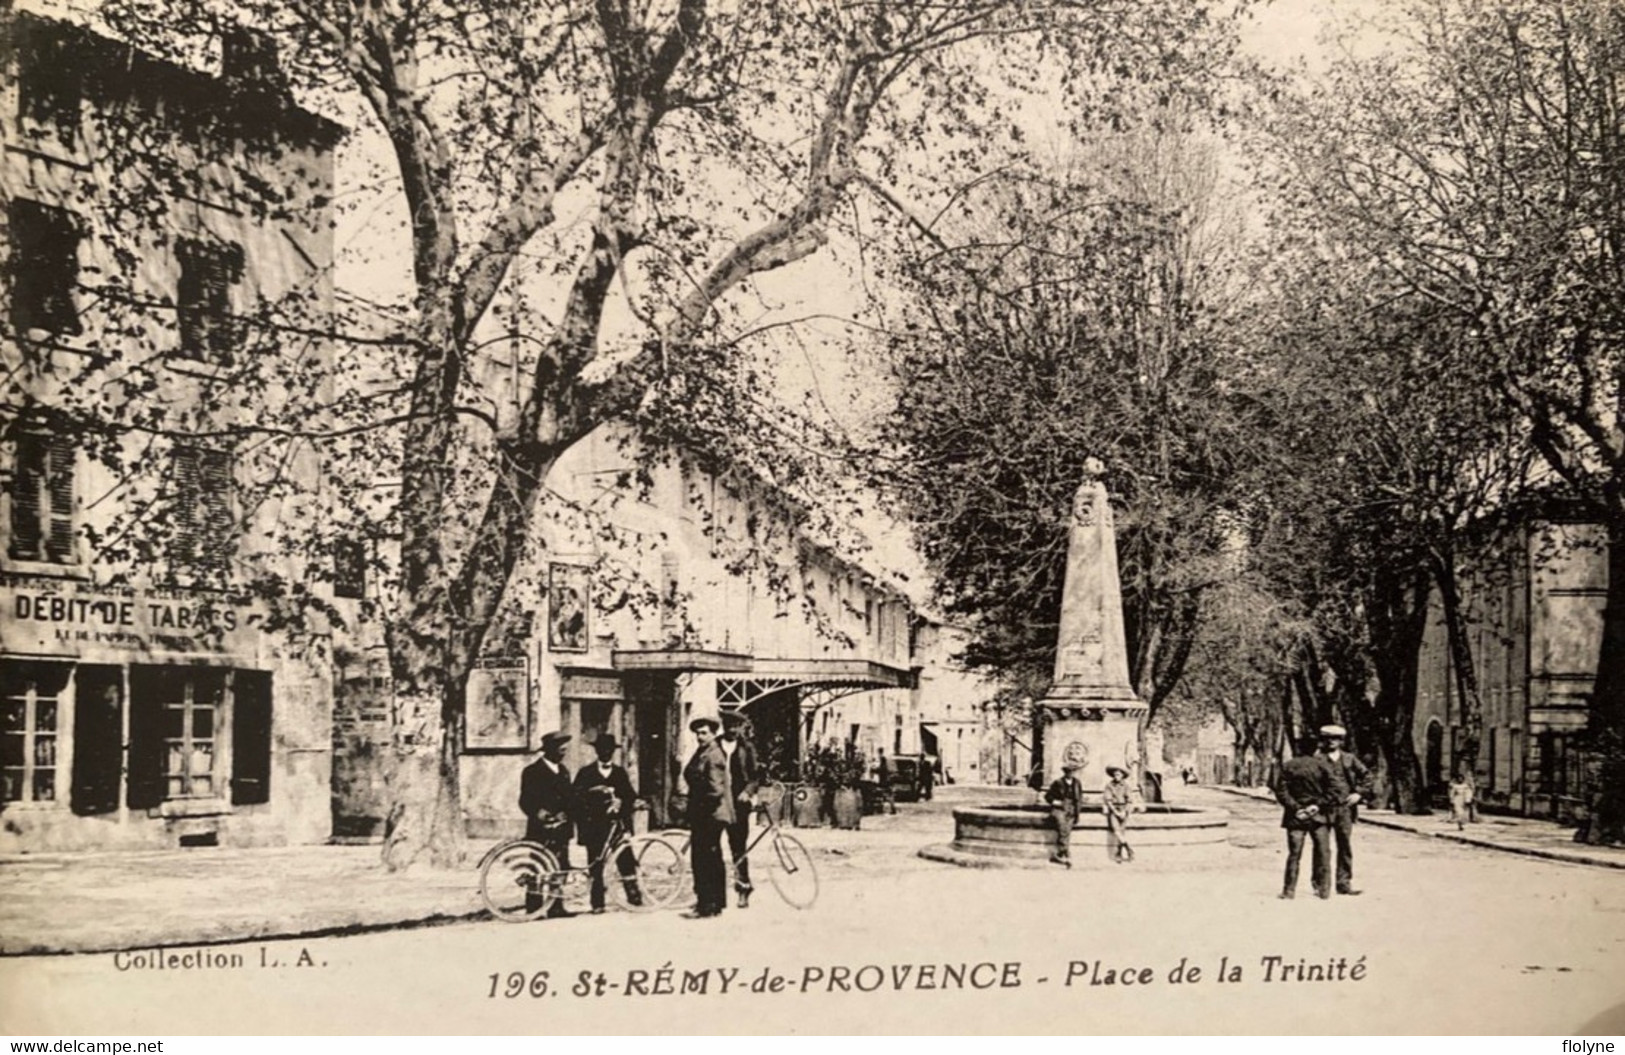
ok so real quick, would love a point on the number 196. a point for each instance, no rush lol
(517, 983)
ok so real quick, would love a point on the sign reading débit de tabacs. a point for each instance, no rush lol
(81, 620)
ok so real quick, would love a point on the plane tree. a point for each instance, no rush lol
(639, 170)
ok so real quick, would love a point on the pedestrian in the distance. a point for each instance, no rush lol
(1065, 799)
(1462, 794)
(1304, 790)
(1117, 799)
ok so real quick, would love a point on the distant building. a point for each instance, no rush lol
(1534, 613)
(668, 593)
(157, 219)
(964, 722)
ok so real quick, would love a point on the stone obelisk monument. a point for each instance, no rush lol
(1091, 714)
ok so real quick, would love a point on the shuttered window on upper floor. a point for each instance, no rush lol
(203, 523)
(203, 300)
(42, 499)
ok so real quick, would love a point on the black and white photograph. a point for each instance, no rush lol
(537, 518)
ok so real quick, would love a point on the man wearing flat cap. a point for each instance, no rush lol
(1351, 784)
(545, 798)
(604, 795)
(744, 780)
(710, 813)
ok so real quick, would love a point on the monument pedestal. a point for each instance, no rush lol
(1096, 733)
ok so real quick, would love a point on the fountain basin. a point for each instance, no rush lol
(1016, 835)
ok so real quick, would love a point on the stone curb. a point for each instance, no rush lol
(1566, 856)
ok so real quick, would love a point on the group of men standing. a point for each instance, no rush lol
(723, 777)
(1320, 792)
(589, 806)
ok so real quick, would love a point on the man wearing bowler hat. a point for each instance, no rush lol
(710, 812)
(603, 795)
(1351, 784)
(545, 799)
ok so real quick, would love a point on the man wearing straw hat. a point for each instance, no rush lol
(1117, 799)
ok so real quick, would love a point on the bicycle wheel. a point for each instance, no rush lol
(792, 871)
(659, 878)
(519, 881)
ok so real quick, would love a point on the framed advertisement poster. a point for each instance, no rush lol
(568, 607)
(498, 707)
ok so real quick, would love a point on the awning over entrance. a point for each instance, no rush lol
(682, 659)
(815, 682)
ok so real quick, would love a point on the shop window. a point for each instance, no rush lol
(49, 89)
(203, 299)
(30, 695)
(174, 718)
(42, 499)
(44, 267)
(202, 522)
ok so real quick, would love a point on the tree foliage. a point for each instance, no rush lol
(631, 170)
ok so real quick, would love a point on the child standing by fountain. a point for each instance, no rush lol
(1118, 801)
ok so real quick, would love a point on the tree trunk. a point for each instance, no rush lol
(1471, 705)
(1397, 621)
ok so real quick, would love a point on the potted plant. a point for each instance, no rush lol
(836, 773)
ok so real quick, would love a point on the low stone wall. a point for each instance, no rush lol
(1028, 832)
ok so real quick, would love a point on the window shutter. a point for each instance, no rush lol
(184, 515)
(251, 737)
(27, 497)
(203, 299)
(218, 524)
(97, 739)
(60, 472)
(146, 787)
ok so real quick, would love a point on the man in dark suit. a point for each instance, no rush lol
(1304, 790)
(1351, 785)
(1065, 801)
(603, 795)
(744, 777)
(710, 812)
(545, 798)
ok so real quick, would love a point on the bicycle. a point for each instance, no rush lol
(790, 867)
(521, 880)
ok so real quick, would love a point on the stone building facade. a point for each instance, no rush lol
(1534, 613)
(167, 230)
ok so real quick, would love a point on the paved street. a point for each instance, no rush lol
(1449, 938)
